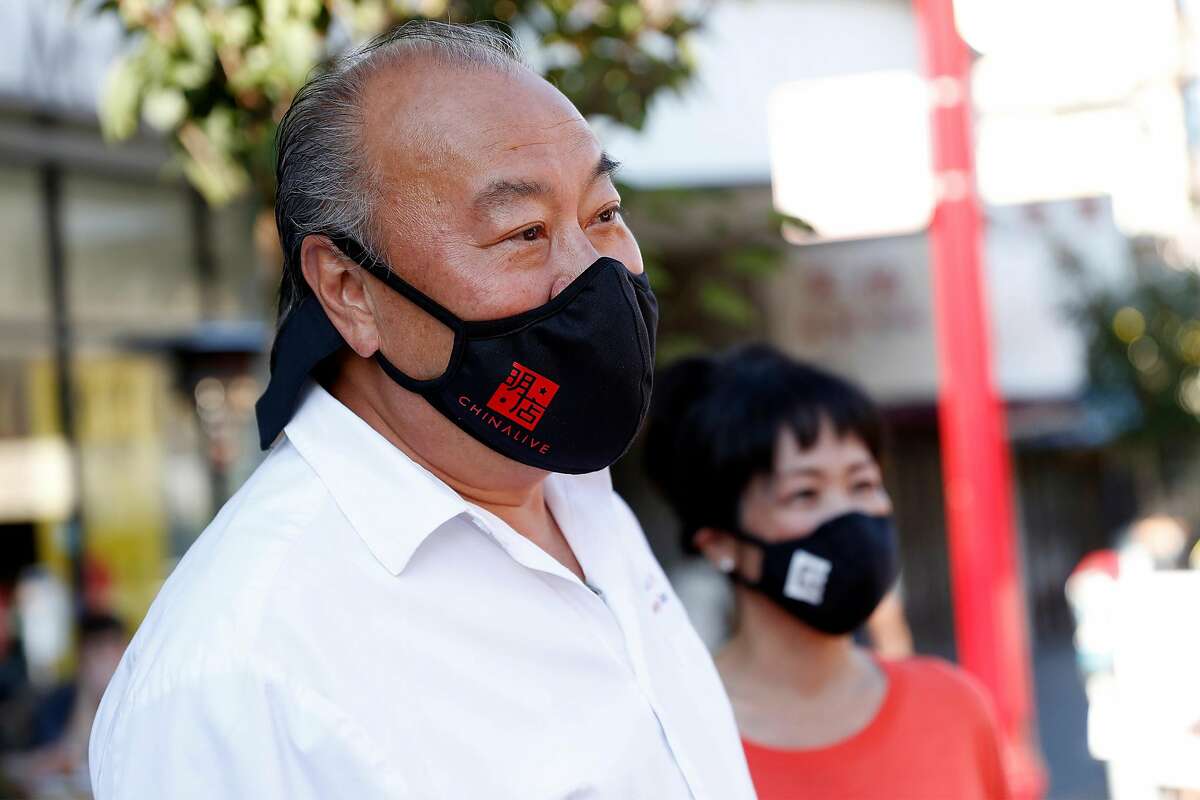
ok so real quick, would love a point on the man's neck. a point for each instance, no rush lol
(524, 510)
(510, 491)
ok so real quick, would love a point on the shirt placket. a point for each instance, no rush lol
(619, 606)
(618, 598)
(586, 597)
(614, 615)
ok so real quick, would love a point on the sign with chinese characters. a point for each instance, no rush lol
(864, 308)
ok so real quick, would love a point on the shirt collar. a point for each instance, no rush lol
(391, 501)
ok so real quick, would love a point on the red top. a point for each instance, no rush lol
(934, 737)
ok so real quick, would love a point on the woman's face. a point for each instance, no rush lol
(836, 476)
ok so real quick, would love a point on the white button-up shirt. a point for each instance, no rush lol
(349, 627)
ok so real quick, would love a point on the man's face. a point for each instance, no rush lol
(495, 193)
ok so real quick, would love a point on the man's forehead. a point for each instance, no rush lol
(518, 145)
(565, 126)
(487, 121)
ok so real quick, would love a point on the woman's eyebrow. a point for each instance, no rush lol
(801, 472)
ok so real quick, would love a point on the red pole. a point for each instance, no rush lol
(990, 619)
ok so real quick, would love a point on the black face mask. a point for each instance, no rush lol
(562, 387)
(833, 578)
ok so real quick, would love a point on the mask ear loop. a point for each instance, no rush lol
(354, 250)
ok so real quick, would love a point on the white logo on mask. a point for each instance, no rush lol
(806, 578)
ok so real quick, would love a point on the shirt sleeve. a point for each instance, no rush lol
(235, 735)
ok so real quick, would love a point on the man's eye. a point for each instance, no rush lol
(531, 234)
(609, 214)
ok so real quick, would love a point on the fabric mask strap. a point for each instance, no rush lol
(306, 339)
(749, 538)
(355, 251)
(741, 580)
(361, 256)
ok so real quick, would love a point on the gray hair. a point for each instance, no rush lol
(324, 186)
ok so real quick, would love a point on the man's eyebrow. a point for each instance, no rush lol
(500, 192)
(607, 165)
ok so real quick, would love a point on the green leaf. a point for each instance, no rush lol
(119, 100)
(194, 34)
(676, 346)
(786, 219)
(755, 262)
(164, 109)
(726, 304)
(253, 55)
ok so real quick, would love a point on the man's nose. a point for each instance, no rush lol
(575, 258)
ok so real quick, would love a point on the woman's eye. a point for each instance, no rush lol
(806, 495)
(865, 486)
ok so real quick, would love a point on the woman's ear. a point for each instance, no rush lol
(718, 547)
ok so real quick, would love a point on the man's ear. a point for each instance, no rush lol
(340, 288)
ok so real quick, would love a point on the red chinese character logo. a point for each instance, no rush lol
(524, 396)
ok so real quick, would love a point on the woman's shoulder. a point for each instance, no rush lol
(953, 714)
(938, 686)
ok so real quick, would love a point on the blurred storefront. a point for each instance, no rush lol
(1058, 230)
(116, 276)
(864, 307)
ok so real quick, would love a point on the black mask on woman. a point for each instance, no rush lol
(562, 387)
(832, 579)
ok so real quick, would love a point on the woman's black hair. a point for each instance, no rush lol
(715, 420)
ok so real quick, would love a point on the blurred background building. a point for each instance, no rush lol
(137, 278)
